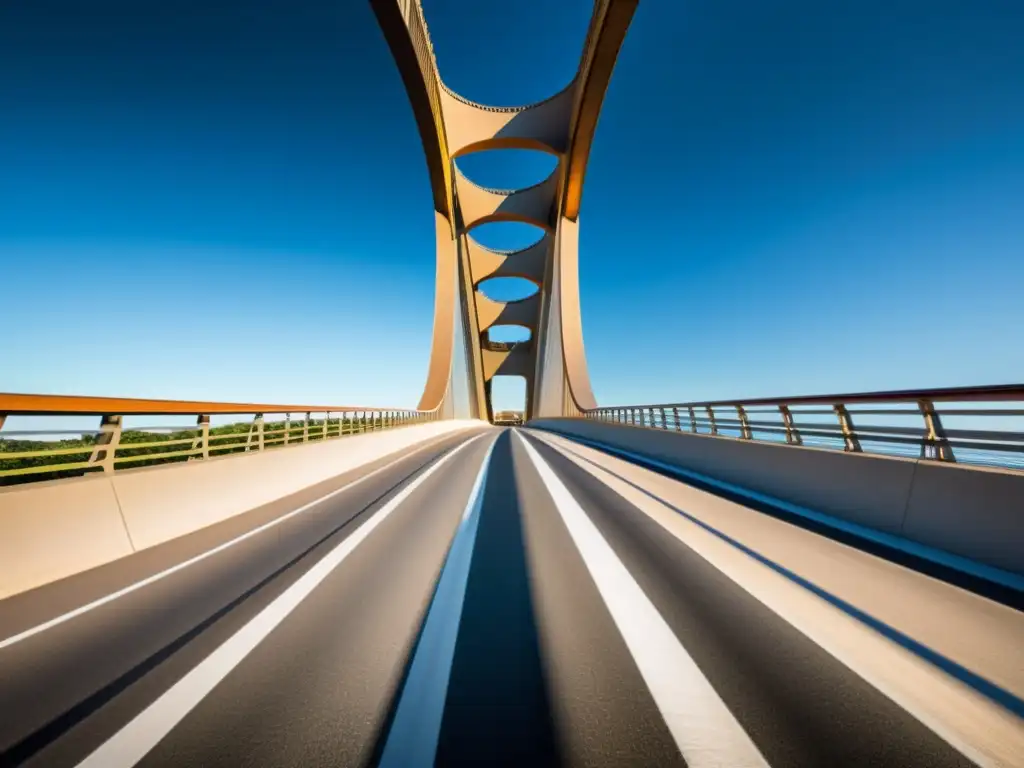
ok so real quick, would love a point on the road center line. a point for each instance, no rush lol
(412, 739)
(130, 744)
(704, 729)
(191, 561)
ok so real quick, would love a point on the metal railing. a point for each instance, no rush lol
(970, 425)
(47, 452)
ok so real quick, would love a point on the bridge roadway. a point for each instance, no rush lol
(496, 598)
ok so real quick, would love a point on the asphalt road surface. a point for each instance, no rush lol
(503, 597)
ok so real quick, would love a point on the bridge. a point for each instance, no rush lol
(833, 580)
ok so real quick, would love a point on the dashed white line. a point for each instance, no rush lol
(129, 745)
(706, 732)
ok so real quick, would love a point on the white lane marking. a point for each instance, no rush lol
(984, 732)
(186, 563)
(703, 727)
(130, 744)
(956, 562)
(412, 739)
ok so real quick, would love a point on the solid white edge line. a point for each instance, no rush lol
(133, 741)
(985, 733)
(412, 739)
(706, 732)
(25, 634)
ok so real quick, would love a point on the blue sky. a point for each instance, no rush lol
(229, 200)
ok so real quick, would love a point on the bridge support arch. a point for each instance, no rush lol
(463, 360)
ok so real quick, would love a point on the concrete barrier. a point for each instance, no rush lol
(49, 530)
(54, 529)
(975, 512)
(971, 512)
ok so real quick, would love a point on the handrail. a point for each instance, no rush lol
(87, 405)
(947, 434)
(996, 393)
(49, 454)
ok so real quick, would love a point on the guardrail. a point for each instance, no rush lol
(43, 453)
(961, 424)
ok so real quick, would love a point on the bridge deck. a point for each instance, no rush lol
(520, 601)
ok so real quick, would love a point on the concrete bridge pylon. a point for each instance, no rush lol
(462, 361)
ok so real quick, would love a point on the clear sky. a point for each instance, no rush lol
(228, 200)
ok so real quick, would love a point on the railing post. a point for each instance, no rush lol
(711, 419)
(664, 420)
(675, 415)
(203, 420)
(745, 432)
(643, 418)
(327, 421)
(305, 428)
(792, 433)
(934, 436)
(287, 428)
(850, 439)
(693, 419)
(106, 442)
